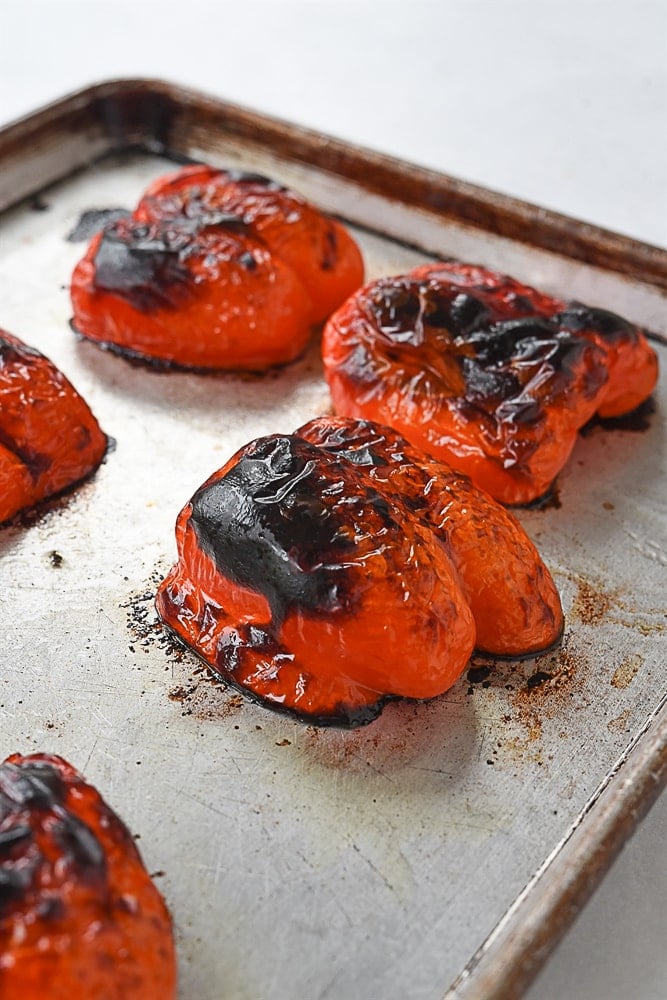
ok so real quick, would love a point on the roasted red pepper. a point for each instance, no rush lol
(328, 570)
(79, 915)
(49, 439)
(215, 269)
(484, 372)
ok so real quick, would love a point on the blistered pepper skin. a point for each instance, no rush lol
(483, 372)
(79, 915)
(322, 573)
(49, 439)
(215, 270)
(207, 299)
(317, 248)
(511, 594)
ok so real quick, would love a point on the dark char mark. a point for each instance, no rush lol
(492, 355)
(13, 884)
(38, 204)
(145, 263)
(396, 309)
(35, 462)
(330, 254)
(38, 788)
(12, 354)
(580, 318)
(15, 835)
(538, 678)
(142, 265)
(79, 844)
(477, 675)
(92, 220)
(22, 355)
(531, 345)
(403, 309)
(248, 177)
(466, 313)
(33, 786)
(265, 523)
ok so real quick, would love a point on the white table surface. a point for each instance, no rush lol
(563, 104)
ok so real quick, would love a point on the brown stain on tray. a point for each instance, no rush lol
(592, 602)
(627, 671)
(548, 692)
(595, 604)
(209, 700)
(526, 694)
(621, 724)
(534, 690)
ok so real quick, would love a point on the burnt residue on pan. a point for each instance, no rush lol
(639, 420)
(530, 692)
(198, 691)
(592, 601)
(38, 204)
(144, 628)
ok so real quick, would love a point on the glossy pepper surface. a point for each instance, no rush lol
(215, 269)
(49, 439)
(328, 570)
(79, 915)
(483, 372)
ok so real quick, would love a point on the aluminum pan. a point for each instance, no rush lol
(300, 862)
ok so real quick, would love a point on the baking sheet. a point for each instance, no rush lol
(297, 861)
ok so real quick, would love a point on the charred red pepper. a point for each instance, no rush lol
(79, 915)
(215, 269)
(326, 571)
(484, 372)
(49, 439)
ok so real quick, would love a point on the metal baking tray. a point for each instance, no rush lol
(443, 849)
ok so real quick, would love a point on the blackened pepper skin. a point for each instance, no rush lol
(273, 501)
(326, 571)
(79, 915)
(193, 296)
(484, 372)
(214, 270)
(49, 439)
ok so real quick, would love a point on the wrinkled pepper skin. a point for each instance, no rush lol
(483, 372)
(329, 570)
(317, 248)
(512, 596)
(49, 439)
(215, 270)
(79, 915)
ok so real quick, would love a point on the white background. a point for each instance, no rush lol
(563, 104)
